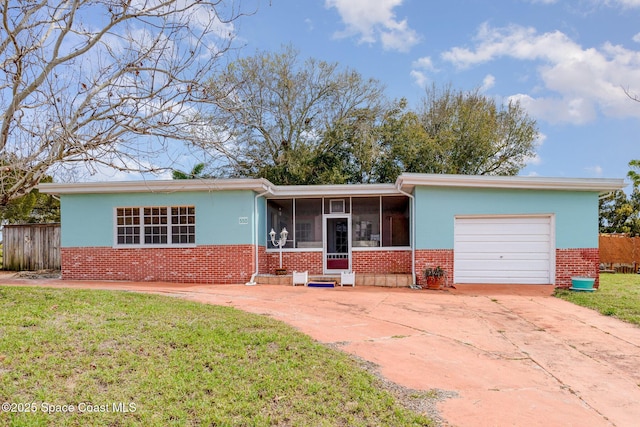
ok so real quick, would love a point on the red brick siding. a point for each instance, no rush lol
(433, 258)
(294, 261)
(201, 264)
(576, 262)
(382, 262)
(379, 262)
(236, 263)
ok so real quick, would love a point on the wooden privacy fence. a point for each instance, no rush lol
(31, 247)
(620, 252)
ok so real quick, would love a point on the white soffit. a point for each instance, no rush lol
(334, 190)
(257, 185)
(408, 181)
(160, 186)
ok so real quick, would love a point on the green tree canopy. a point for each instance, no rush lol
(197, 172)
(309, 122)
(283, 118)
(33, 207)
(461, 133)
(634, 175)
(619, 213)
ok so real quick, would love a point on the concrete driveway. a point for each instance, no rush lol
(514, 357)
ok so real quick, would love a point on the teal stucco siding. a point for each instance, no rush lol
(222, 217)
(576, 212)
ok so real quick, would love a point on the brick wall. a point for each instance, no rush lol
(293, 261)
(382, 262)
(201, 264)
(433, 258)
(374, 262)
(235, 263)
(576, 262)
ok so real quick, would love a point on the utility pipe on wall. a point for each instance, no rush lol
(413, 232)
(256, 227)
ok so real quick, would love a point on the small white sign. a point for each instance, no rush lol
(243, 220)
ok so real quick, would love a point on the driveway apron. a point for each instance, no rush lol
(514, 359)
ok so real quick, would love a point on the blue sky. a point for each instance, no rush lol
(567, 62)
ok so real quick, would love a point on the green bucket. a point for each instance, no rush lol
(582, 283)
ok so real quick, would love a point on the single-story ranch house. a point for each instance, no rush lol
(479, 229)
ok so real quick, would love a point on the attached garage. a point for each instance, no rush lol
(517, 249)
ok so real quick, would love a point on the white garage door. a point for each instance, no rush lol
(513, 249)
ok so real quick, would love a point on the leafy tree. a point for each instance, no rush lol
(307, 122)
(405, 145)
(284, 119)
(619, 213)
(196, 173)
(464, 133)
(101, 82)
(634, 175)
(33, 207)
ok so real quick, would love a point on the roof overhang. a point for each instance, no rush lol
(160, 186)
(333, 190)
(257, 185)
(407, 182)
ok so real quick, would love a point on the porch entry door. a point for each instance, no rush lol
(337, 243)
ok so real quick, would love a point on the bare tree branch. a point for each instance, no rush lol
(102, 82)
(633, 96)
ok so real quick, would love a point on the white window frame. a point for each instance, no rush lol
(141, 227)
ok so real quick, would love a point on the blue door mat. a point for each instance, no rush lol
(321, 284)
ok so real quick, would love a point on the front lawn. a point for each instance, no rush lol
(83, 358)
(618, 296)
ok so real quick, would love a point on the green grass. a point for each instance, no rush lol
(618, 296)
(173, 362)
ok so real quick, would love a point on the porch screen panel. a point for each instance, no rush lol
(395, 221)
(279, 216)
(365, 221)
(308, 223)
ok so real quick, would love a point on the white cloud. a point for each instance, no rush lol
(424, 63)
(595, 170)
(373, 21)
(625, 3)
(636, 38)
(420, 66)
(536, 160)
(487, 83)
(557, 110)
(581, 82)
(419, 78)
(309, 23)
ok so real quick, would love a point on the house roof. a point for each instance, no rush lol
(405, 183)
(156, 186)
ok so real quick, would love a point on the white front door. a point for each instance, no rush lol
(337, 243)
